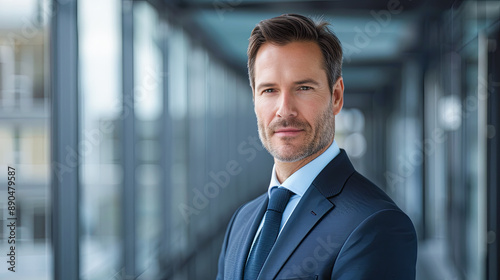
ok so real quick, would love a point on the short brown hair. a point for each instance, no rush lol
(289, 28)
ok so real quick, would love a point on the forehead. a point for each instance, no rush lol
(292, 60)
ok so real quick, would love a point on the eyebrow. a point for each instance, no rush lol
(301, 82)
(264, 85)
(307, 81)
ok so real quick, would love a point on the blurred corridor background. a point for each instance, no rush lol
(130, 125)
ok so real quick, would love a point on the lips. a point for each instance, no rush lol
(288, 132)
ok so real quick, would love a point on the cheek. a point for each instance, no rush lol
(316, 116)
(312, 113)
(264, 113)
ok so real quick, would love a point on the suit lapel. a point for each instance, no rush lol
(297, 227)
(329, 183)
(247, 232)
(331, 180)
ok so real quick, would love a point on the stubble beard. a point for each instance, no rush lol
(323, 135)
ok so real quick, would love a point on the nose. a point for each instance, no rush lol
(286, 107)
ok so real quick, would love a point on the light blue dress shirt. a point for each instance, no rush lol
(300, 181)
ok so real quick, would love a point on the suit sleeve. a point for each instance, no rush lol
(220, 268)
(383, 246)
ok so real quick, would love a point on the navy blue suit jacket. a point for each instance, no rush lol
(344, 227)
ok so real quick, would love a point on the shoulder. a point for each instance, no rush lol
(384, 244)
(363, 206)
(364, 196)
(380, 234)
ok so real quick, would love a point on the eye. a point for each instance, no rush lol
(305, 88)
(269, 90)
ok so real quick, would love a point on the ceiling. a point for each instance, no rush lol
(376, 34)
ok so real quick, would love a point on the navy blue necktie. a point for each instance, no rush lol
(269, 232)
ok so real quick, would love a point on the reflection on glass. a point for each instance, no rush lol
(24, 136)
(100, 171)
(148, 96)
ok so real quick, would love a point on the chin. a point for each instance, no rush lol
(290, 158)
(288, 155)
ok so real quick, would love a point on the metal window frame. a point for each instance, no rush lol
(64, 137)
(129, 213)
(165, 161)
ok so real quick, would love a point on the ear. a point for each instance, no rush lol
(338, 96)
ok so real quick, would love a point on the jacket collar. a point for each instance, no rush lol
(312, 207)
(332, 178)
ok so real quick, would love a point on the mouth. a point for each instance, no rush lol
(288, 132)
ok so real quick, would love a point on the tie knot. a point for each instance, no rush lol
(279, 199)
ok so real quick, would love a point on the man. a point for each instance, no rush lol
(320, 219)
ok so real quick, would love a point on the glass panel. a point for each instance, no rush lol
(24, 139)
(148, 96)
(101, 171)
(177, 97)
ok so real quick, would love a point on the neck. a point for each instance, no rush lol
(286, 169)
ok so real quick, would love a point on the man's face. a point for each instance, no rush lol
(294, 105)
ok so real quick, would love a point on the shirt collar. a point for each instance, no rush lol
(301, 179)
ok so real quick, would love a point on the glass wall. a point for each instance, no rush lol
(148, 96)
(101, 172)
(214, 149)
(456, 97)
(24, 139)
